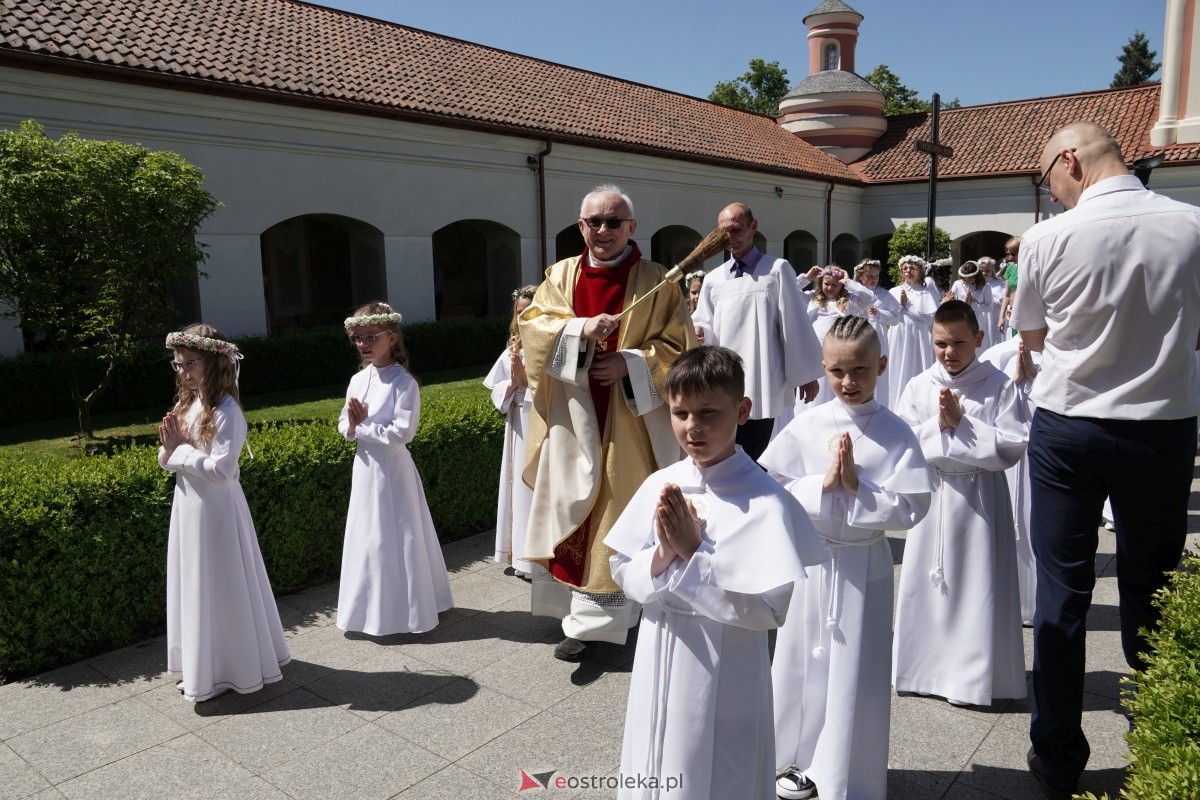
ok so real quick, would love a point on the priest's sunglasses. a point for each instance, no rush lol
(595, 223)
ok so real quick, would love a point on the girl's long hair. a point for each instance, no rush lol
(399, 352)
(514, 331)
(819, 299)
(220, 379)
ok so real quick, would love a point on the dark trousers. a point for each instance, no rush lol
(754, 435)
(1145, 469)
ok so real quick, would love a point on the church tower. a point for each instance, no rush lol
(833, 108)
(1179, 103)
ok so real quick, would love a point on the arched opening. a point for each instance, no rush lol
(569, 242)
(845, 251)
(476, 265)
(318, 267)
(800, 249)
(831, 56)
(672, 243)
(974, 246)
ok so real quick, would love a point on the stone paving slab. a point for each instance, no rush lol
(458, 713)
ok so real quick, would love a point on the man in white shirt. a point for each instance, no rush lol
(1111, 290)
(752, 305)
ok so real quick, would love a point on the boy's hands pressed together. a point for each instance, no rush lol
(842, 471)
(678, 525)
(950, 411)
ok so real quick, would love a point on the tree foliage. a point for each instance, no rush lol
(898, 98)
(92, 235)
(1137, 63)
(909, 240)
(759, 90)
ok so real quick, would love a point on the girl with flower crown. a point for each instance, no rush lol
(884, 311)
(509, 386)
(834, 294)
(393, 575)
(223, 629)
(910, 346)
(693, 281)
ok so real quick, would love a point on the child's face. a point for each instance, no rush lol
(190, 366)
(852, 369)
(869, 277)
(694, 293)
(522, 304)
(831, 286)
(705, 424)
(910, 273)
(954, 345)
(374, 344)
(986, 271)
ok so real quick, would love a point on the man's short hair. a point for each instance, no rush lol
(608, 188)
(707, 368)
(956, 311)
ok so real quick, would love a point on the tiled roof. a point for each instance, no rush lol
(289, 51)
(1007, 138)
(830, 6)
(831, 80)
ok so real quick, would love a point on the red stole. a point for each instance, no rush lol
(600, 290)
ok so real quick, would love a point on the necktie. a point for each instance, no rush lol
(738, 268)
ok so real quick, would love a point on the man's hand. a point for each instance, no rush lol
(950, 411)
(677, 522)
(700, 334)
(599, 327)
(809, 390)
(608, 368)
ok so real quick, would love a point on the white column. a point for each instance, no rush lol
(1165, 131)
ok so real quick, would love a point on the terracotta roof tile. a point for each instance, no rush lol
(296, 50)
(1007, 138)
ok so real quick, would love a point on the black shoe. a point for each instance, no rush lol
(570, 649)
(1053, 788)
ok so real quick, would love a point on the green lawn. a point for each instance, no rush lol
(55, 438)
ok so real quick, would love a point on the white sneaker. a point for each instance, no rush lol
(793, 785)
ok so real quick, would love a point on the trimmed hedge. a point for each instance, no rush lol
(83, 543)
(36, 385)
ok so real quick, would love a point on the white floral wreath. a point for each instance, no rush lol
(920, 262)
(194, 341)
(393, 318)
(691, 276)
(522, 292)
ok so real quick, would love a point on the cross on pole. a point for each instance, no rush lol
(936, 150)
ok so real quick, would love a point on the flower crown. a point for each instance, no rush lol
(867, 264)
(987, 261)
(944, 262)
(393, 318)
(920, 262)
(194, 341)
(832, 271)
(526, 293)
(691, 276)
(968, 270)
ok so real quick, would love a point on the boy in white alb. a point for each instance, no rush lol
(711, 547)
(858, 470)
(958, 617)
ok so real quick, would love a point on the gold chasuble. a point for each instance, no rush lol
(583, 471)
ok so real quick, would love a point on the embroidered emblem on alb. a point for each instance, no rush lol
(702, 506)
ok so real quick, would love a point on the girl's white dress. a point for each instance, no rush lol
(393, 574)
(887, 313)
(910, 343)
(223, 629)
(512, 512)
(994, 335)
(986, 307)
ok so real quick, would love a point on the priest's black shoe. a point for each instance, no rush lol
(1053, 787)
(570, 649)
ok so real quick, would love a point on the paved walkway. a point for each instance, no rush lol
(456, 713)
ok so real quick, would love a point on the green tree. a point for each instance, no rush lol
(898, 98)
(909, 240)
(758, 90)
(1137, 63)
(92, 234)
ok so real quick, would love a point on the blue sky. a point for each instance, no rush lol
(980, 51)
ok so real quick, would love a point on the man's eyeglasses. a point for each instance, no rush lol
(365, 338)
(183, 366)
(1045, 179)
(612, 222)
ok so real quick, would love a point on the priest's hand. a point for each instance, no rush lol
(700, 334)
(520, 379)
(809, 391)
(599, 327)
(677, 521)
(608, 368)
(950, 411)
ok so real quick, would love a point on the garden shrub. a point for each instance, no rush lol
(36, 385)
(83, 542)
